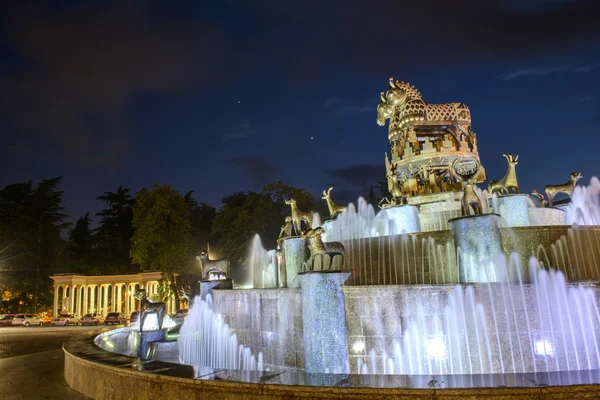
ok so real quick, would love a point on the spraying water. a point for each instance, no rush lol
(498, 327)
(206, 341)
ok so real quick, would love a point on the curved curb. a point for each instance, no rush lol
(103, 375)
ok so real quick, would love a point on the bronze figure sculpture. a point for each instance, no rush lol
(334, 209)
(510, 178)
(543, 202)
(147, 307)
(467, 178)
(299, 216)
(394, 187)
(218, 267)
(286, 228)
(566, 188)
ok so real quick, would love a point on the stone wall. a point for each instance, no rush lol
(266, 320)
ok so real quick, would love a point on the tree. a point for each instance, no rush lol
(33, 218)
(81, 238)
(115, 230)
(162, 238)
(201, 219)
(245, 214)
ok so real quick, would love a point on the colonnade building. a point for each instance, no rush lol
(101, 294)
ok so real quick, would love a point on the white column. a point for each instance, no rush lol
(93, 299)
(113, 297)
(71, 307)
(78, 305)
(64, 296)
(119, 305)
(100, 298)
(55, 309)
(106, 299)
(86, 299)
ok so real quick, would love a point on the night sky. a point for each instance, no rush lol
(224, 96)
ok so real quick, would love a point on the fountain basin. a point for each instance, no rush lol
(100, 374)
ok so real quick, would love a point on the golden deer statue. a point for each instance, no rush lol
(510, 179)
(299, 216)
(567, 188)
(468, 179)
(543, 202)
(334, 209)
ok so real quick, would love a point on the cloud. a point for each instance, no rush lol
(536, 71)
(90, 61)
(258, 170)
(358, 174)
(587, 68)
(239, 131)
(344, 106)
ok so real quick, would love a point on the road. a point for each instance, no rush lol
(17, 341)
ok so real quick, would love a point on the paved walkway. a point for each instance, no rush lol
(35, 376)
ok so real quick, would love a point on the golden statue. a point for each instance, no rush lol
(286, 229)
(510, 178)
(326, 256)
(299, 216)
(466, 173)
(393, 187)
(334, 209)
(543, 202)
(426, 138)
(566, 188)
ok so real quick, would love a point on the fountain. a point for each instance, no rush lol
(447, 285)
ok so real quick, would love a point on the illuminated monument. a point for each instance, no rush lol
(447, 286)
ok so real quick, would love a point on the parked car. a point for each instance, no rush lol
(46, 319)
(27, 320)
(182, 312)
(134, 317)
(6, 319)
(115, 318)
(91, 319)
(66, 319)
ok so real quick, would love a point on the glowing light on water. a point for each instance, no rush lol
(436, 348)
(358, 347)
(544, 348)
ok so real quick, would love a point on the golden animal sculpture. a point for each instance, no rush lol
(510, 179)
(567, 188)
(543, 202)
(393, 186)
(334, 209)
(286, 229)
(470, 198)
(299, 216)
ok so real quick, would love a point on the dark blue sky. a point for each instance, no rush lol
(225, 96)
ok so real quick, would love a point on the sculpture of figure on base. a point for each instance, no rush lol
(468, 176)
(147, 307)
(299, 216)
(334, 209)
(327, 253)
(510, 178)
(543, 202)
(185, 292)
(219, 268)
(286, 228)
(394, 187)
(566, 188)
